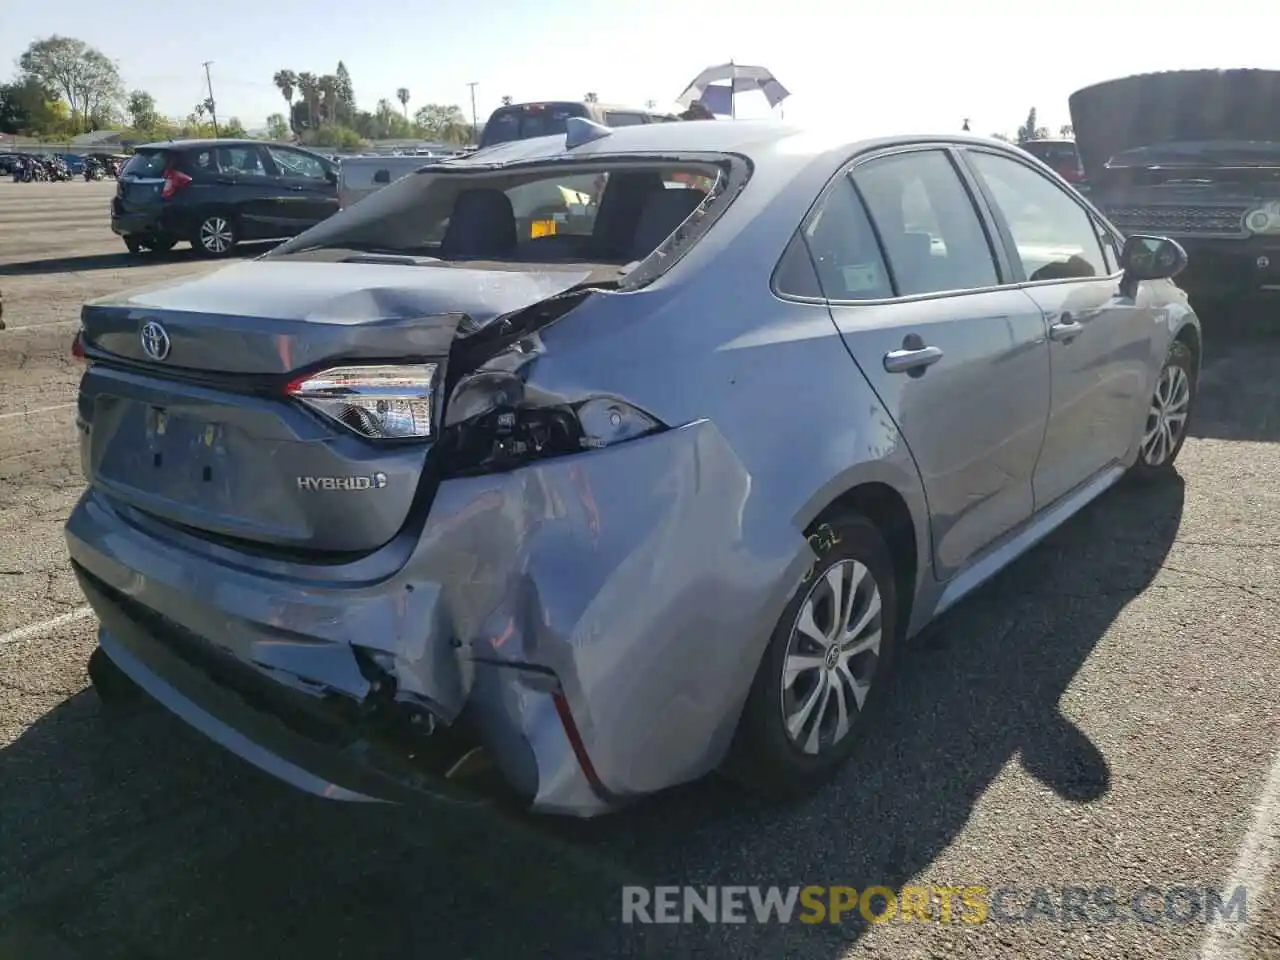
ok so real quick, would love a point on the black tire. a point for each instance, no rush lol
(113, 686)
(161, 244)
(764, 757)
(133, 244)
(217, 224)
(1157, 464)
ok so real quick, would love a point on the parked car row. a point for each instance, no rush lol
(215, 194)
(585, 503)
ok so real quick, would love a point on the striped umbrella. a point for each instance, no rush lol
(717, 86)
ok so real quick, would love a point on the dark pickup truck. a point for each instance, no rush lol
(1193, 155)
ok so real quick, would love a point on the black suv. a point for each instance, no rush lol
(216, 193)
(1193, 155)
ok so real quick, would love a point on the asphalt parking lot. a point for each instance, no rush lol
(1106, 714)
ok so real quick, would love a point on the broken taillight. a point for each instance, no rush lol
(376, 402)
(174, 180)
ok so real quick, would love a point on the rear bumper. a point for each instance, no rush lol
(136, 224)
(600, 606)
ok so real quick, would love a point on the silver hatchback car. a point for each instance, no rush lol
(595, 500)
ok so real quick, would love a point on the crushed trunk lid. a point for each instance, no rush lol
(206, 437)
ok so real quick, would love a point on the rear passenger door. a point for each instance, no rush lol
(312, 194)
(1100, 340)
(914, 285)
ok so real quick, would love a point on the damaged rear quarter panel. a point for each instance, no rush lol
(649, 576)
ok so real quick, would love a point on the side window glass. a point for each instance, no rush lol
(795, 275)
(294, 164)
(1056, 238)
(931, 232)
(201, 162)
(843, 249)
(242, 161)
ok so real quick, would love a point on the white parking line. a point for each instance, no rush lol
(31, 413)
(35, 629)
(1253, 865)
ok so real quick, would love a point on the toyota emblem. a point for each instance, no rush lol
(155, 341)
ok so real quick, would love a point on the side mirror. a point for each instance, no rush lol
(331, 175)
(1152, 258)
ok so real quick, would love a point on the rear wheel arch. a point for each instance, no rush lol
(886, 508)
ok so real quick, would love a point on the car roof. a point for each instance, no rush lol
(212, 142)
(774, 142)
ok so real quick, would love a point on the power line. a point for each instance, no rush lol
(213, 107)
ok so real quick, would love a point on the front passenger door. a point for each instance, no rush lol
(256, 195)
(960, 362)
(314, 195)
(1100, 341)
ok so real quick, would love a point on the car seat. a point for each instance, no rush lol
(482, 225)
(664, 210)
(618, 214)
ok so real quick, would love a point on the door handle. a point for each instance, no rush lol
(911, 360)
(1066, 329)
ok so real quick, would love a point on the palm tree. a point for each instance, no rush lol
(650, 104)
(506, 100)
(328, 85)
(403, 96)
(592, 98)
(309, 87)
(286, 81)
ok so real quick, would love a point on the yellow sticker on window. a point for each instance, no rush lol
(542, 228)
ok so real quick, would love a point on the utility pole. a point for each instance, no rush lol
(475, 124)
(213, 108)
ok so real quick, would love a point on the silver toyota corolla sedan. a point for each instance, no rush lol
(494, 479)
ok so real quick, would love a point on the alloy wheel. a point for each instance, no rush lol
(831, 657)
(216, 235)
(1167, 418)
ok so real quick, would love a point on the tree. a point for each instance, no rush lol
(277, 127)
(82, 75)
(309, 87)
(1066, 131)
(286, 82)
(1028, 130)
(328, 86)
(592, 98)
(506, 100)
(346, 95)
(142, 110)
(403, 96)
(232, 127)
(444, 123)
(650, 104)
(28, 106)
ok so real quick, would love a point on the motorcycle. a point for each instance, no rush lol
(59, 172)
(93, 171)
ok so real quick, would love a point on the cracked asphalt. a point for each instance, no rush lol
(1104, 714)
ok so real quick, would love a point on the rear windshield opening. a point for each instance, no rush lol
(152, 163)
(572, 213)
(525, 121)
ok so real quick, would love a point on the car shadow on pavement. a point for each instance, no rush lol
(132, 837)
(119, 261)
